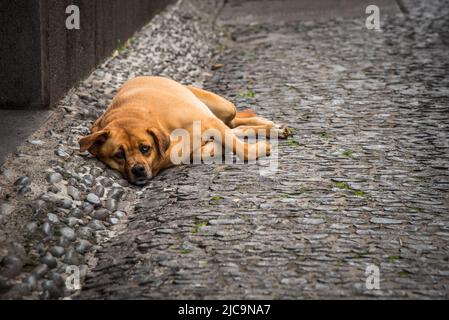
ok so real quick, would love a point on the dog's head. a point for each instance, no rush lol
(137, 152)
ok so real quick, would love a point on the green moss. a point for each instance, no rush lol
(197, 226)
(342, 185)
(347, 153)
(393, 258)
(405, 274)
(303, 190)
(322, 134)
(293, 143)
(359, 193)
(247, 94)
(125, 45)
(185, 251)
(201, 224)
(216, 198)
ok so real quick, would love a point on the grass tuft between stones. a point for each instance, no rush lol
(247, 94)
(393, 258)
(347, 153)
(405, 274)
(342, 185)
(199, 225)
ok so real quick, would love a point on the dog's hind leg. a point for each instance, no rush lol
(245, 151)
(247, 121)
(226, 112)
(262, 130)
(220, 107)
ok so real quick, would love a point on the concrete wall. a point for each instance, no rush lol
(40, 59)
(20, 53)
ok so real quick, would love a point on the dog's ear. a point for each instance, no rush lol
(93, 141)
(161, 139)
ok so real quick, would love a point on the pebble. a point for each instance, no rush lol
(51, 288)
(123, 183)
(31, 227)
(7, 174)
(20, 290)
(31, 281)
(96, 171)
(93, 199)
(53, 218)
(74, 193)
(116, 193)
(46, 228)
(61, 153)
(23, 181)
(101, 214)
(54, 189)
(40, 271)
(66, 203)
(68, 233)
(72, 257)
(114, 174)
(54, 177)
(99, 191)
(96, 225)
(385, 221)
(57, 251)
(4, 283)
(85, 232)
(111, 204)
(36, 142)
(23, 190)
(72, 222)
(312, 221)
(19, 250)
(12, 266)
(37, 206)
(49, 260)
(6, 209)
(113, 220)
(57, 199)
(57, 278)
(87, 208)
(77, 213)
(119, 214)
(88, 180)
(83, 246)
(106, 182)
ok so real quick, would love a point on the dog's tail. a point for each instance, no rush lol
(248, 113)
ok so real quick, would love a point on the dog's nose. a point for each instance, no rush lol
(138, 170)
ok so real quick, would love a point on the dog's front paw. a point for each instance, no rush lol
(283, 131)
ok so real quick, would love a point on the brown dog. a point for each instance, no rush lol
(134, 137)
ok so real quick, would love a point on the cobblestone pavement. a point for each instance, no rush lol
(364, 179)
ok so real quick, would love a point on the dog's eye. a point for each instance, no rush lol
(120, 155)
(144, 149)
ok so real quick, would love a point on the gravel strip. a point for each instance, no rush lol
(57, 206)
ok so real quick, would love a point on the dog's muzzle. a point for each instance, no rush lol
(140, 176)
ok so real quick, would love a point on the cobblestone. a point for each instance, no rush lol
(364, 180)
